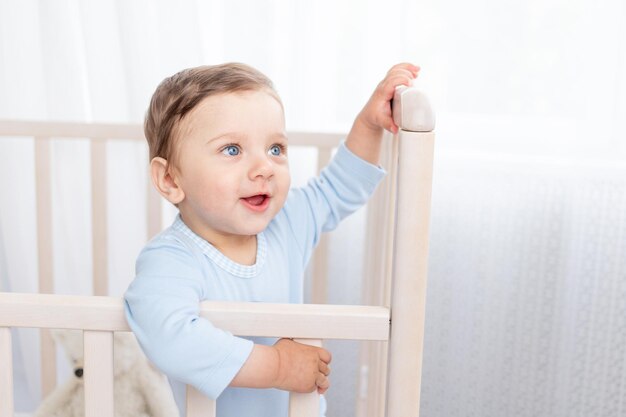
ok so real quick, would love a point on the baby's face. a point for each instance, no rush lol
(232, 165)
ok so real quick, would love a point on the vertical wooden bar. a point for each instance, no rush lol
(43, 190)
(43, 187)
(153, 201)
(305, 405)
(319, 277)
(99, 216)
(372, 384)
(6, 373)
(389, 233)
(199, 405)
(98, 374)
(408, 303)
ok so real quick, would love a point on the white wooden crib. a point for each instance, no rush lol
(395, 286)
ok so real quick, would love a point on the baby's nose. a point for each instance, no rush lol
(261, 167)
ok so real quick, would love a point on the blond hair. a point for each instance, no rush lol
(179, 94)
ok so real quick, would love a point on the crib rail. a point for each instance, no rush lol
(305, 321)
(120, 131)
(99, 317)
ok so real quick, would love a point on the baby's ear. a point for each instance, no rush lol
(164, 180)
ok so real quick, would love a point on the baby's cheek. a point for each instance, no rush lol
(283, 177)
(224, 191)
(218, 200)
(281, 197)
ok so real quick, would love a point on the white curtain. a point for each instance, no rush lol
(528, 274)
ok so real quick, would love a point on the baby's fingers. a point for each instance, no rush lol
(390, 84)
(323, 383)
(324, 368)
(325, 355)
(401, 71)
(414, 69)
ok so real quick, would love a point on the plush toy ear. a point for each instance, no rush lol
(126, 351)
(72, 342)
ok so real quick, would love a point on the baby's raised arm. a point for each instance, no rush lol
(288, 366)
(364, 138)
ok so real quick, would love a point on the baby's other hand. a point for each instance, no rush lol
(376, 115)
(302, 368)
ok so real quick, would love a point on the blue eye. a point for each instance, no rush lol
(231, 150)
(276, 150)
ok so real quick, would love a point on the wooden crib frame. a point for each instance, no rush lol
(397, 265)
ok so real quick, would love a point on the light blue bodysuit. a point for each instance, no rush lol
(178, 269)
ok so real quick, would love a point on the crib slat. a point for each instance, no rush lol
(48, 355)
(99, 216)
(43, 174)
(379, 366)
(153, 202)
(98, 374)
(6, 373)
(43, 187)
(376, 285)
(199, 405)
(319, 282)
(305, 405)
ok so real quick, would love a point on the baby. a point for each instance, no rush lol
(219, 152)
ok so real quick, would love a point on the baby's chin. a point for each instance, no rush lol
(252, 229)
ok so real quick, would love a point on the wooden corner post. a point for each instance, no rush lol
(414, 116)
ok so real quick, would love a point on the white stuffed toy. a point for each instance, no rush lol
(139, 389)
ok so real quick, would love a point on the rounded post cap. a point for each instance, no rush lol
(412, 111)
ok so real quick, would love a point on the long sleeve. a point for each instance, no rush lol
(162, 308)
(342, 187)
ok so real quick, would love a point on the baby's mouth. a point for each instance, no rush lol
(256, 200)
(257, 203)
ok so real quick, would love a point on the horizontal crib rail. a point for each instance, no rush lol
(306, 321)
(130, 131)
(27, 128)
